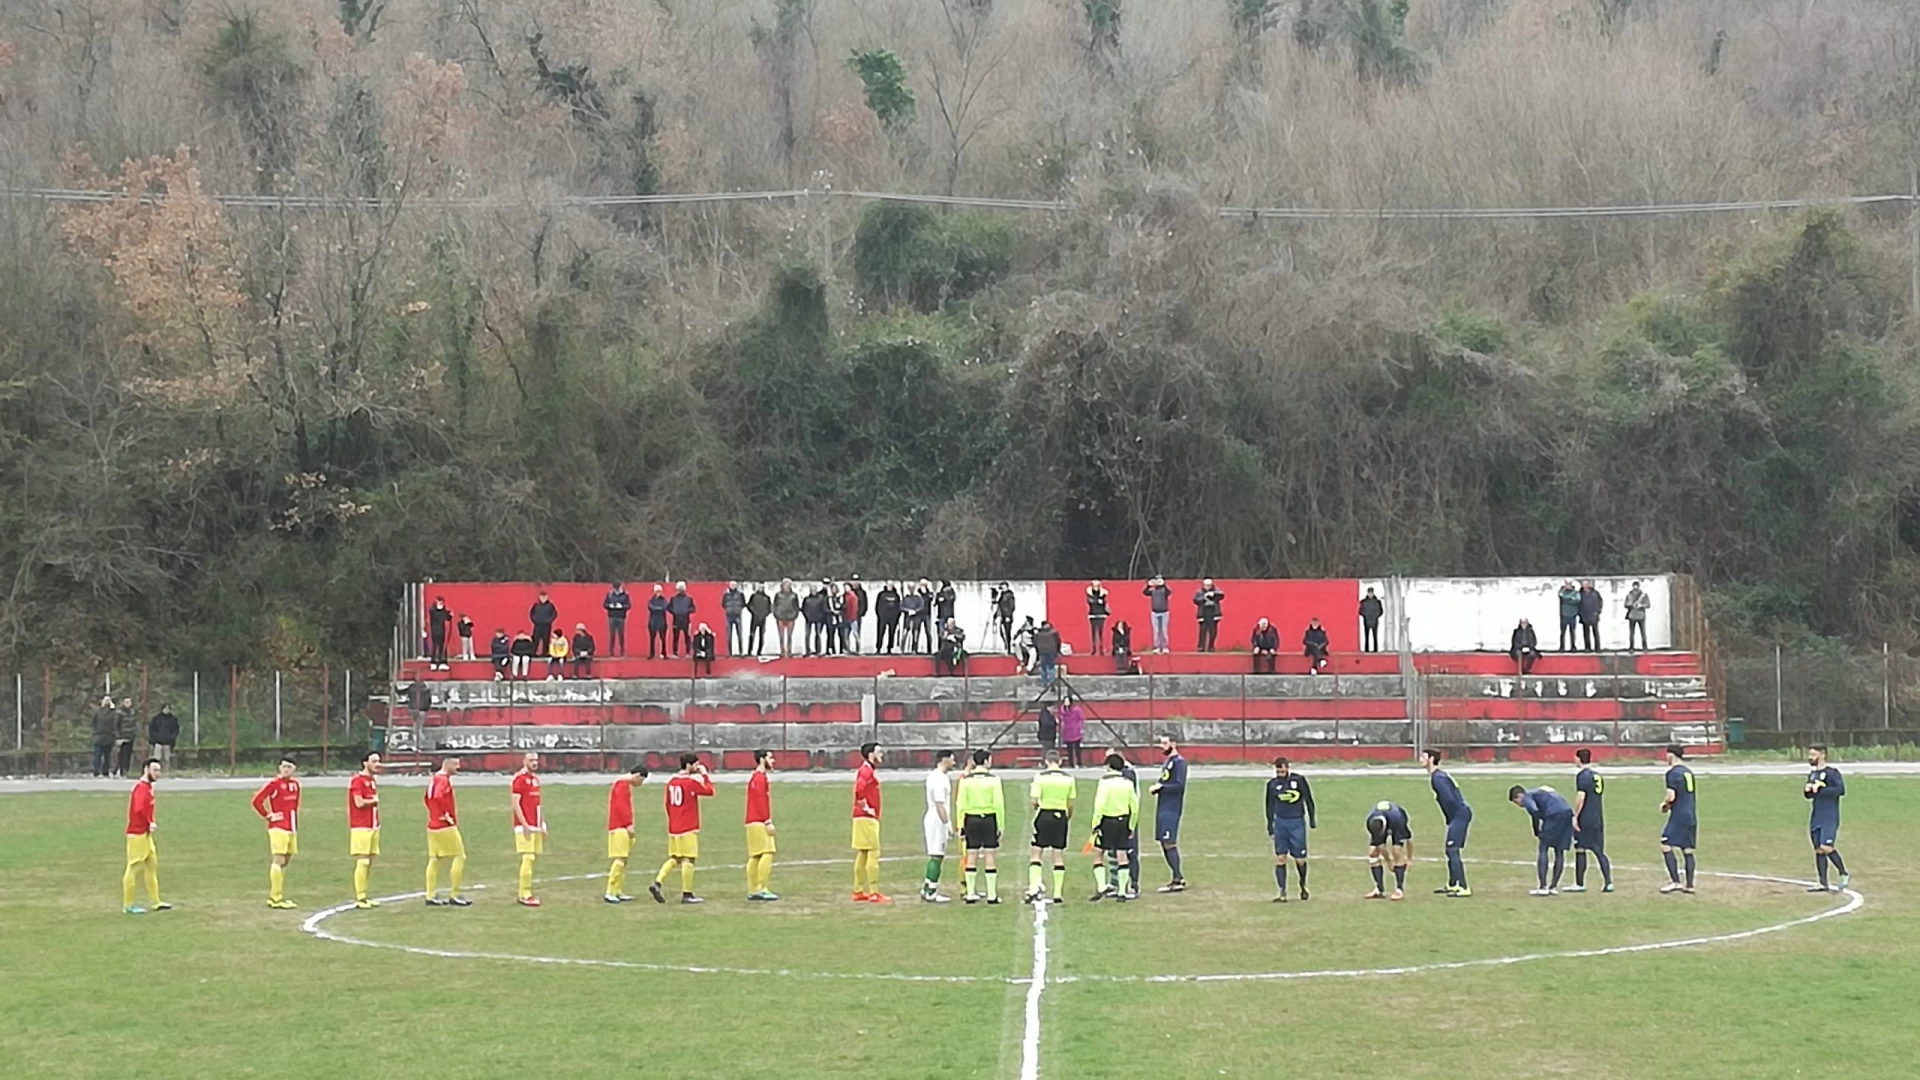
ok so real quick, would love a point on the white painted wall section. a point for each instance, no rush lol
(1479, 614)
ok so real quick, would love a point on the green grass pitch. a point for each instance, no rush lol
(225, 987)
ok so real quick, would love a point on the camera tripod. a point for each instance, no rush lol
(1061, 693)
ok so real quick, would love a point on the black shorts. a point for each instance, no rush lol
(1113, 834)
(1050, 829)
(1380, 834)
(981, 831)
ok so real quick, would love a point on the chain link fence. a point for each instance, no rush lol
(1792, 696)
(227, 718)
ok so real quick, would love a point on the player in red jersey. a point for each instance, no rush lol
(278, 802)
(529, 827)
(866, 829)
(363, 826)
(141, 856)
(620, 831)
(760, 845)
(443, 837)
(684, 792)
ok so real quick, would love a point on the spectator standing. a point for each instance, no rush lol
(886, 617)
(465, 628)
(657, 621)
(105, 728)
(836, 604)
(1266, 646)
(616, 605)
(1047, 727)
(786, 610)
(1525, 648)
(1023, 645)
(1637, 604)
(759, 606)
(1591, 602)
(1046, 651)
(583, 649)
(556, 656)
(500, 651)
(859, 590)
(124, 732)
(163, 731)
(522, 651)
(1097, 611)
(1370, 611)
(944, 600)
(913, 609)
(1206, 609)
(1314, 644)
(1569, 614)
(1122, 647)
(853, 605)
(703, 648)
(1073, 728)
(680, 609)
(733, 604)
(1159, 612)
(439, 620)
(814, 610)
(543, 615)
(1003, 610)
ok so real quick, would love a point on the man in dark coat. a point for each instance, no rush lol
(657, 622)
(105, 727)
(1526, 646)
(1046, 649)
(1371, 609)
(1314, 644)
(1003, 603)
(616, 605)
(543, 615)
(759, 606)
(1591, 602)
(886, 617)
(680, 609)
(1206, 609)
(163, 732)
(439, 619)
(1266, 646)
(582, 652)
(733, 603)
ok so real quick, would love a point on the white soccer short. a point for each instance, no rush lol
(936, 833)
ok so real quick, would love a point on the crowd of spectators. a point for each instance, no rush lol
(115, 729)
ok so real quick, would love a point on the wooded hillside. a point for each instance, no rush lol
(230, 432)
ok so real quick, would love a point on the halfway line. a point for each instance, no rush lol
(1030, 1041)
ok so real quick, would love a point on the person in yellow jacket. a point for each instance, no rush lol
(557, 649)
(1116, 813)
(1052, 797)
(982, 808)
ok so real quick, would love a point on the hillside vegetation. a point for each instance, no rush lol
(230, 433)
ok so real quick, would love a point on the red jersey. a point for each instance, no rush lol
(362, 817)
(278, 800)
(620, 805)
(759, 799)
(526, 794)
(140, 809)
(440, 812)
(866, 792)
(683, 803)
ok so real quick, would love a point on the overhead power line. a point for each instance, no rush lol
(1257, 213)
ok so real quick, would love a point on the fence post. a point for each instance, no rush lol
(19, 727)
(1779, 702)
(1243, 718)
(145, 710)
(233, 716)
(1886, 687)
(276, 707)
(46, 720)
(326, 701)
(196, 710)
(346, 708)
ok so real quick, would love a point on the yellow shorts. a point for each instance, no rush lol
(684, 846)
(444, 844)
(759, 840)
(866, 834)
(140, 847)
(363, 843)
(282, 842)
(619, 843)
(529, 842)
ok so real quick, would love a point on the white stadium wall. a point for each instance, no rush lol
(1479, 614)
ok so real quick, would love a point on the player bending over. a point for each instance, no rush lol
(1116, 814)
(1552, 826)
(1290, 814)
(1389, 843)
(1824, 788)
(684, 792)
(1589, 824)
(1052, 798)
(1683, 823)
(1459, 818)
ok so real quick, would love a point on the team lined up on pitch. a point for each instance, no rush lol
(977, 814)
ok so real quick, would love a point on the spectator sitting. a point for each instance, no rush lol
(522, 652)
(703, 649)
(582, 652)
(1314, 642)
(500, 651)
(1122, 640)
(163, 731)
(1047, 726)
(657, 622)
(681, 609)
(952, 654)
(1266, 646)
(1073, 728)
(556, 656)
(1526, 646)
(1046, 650)
(465, 626)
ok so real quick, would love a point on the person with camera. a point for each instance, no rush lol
(1206, 609)
(1097, 611)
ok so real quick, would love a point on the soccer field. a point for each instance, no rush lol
(816, 985)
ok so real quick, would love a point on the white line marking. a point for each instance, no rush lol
(315, 924)
(1030, 1041)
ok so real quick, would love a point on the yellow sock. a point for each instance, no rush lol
(126, 885)
(153, 881)
(433, 876)
(766, 871)
(686, 876)
(526, 876)
(665, 869)
(362, 869)
(617, 877)
(276, 882)
(1059, 881)
(456, 875)
(860, 872)
(753, 874)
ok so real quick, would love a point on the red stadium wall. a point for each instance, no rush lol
(1288, 603)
